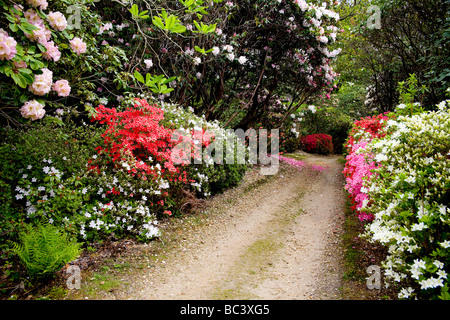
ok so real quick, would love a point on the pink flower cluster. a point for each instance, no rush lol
(41, 35)
(57, 21)
(52, 51)
(358, 167)
(360, 163)
(7, 46)
(42, 83)
(42, 4)
(32, 110)
(62, 88)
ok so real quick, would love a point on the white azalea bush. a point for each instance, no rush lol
(409, 197)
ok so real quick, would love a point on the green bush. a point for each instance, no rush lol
(45, 249)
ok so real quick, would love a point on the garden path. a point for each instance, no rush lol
(273, 237)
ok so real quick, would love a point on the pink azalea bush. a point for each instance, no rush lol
(361, 162)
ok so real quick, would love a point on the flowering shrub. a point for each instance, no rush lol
(32, 29)
(114, 182)
(410, 202)
(134, 137)
(318, 143)
(48, 54)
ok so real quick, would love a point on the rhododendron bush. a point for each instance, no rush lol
(398, 177)
(235, 62)
(48, 55)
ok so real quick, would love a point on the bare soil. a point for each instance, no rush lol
(272, 237)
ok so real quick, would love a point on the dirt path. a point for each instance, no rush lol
(273, 237)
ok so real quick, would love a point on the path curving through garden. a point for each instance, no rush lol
(272, 237)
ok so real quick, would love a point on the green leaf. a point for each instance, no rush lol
(13, 27)
(20, 81)
(24, 70)
(139, 77)
(157, 21)
(201, 50)
(134, 10)
(29, 26)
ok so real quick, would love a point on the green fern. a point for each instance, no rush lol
(45, 249)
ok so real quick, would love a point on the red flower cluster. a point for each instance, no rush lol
(319, 143)
(371, 125)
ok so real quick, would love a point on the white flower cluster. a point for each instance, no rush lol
(412, 180)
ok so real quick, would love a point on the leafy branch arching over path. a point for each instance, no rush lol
(272, 237)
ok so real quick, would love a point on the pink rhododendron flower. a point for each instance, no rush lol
(52, 52)
(32, 110)
(78, 46)
(7, 46)
(62, 88)
(42, 83)
(57, 21)
(43, 4)
(148, 63)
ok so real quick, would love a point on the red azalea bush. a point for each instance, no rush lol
(135, 139)
(318, 143)
(141, 145)
(136, 144)
(367, 128)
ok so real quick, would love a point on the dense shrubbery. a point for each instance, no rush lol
(95, 189)
(318, 143)
(398, 178)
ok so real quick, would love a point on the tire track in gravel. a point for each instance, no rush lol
(275, 237)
